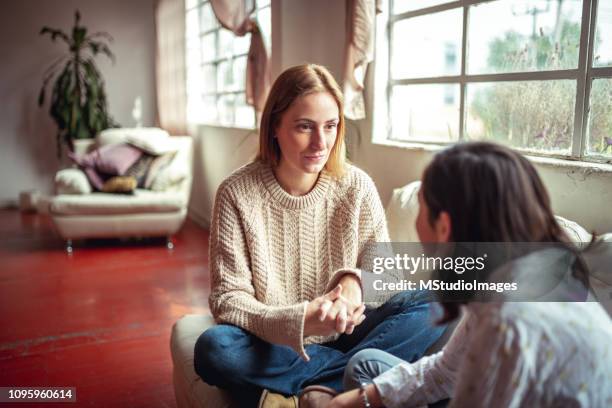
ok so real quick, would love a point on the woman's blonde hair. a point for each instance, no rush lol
(291, 84)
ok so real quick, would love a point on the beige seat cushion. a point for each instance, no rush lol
(403, 209)
(189, 389)
(402, 212)
(142, 201)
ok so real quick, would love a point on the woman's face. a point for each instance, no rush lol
(439, 232)
(307, 132)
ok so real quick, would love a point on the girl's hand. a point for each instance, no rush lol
(353, 399)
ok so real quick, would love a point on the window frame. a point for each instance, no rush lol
(584, 75)
(217, 61)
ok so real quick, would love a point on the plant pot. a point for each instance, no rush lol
(83, 146)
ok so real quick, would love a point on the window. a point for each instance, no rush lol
(532, 74)
(216, 66)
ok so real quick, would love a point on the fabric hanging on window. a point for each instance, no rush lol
(360, 24)
(234, 15)
(170, 66)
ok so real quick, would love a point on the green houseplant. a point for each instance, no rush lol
(78, 101)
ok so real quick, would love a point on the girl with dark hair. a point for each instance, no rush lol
(502, 354)
(288, 241)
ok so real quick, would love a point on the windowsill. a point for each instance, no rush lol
(228, 128)
(567, 164)
(591, 167)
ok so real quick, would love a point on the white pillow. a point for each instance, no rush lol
(155, 145)
(402, 212)
(168, 179)
(72, 181)
(574, 231)
(152, 140)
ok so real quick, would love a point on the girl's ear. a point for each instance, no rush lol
(443, 227)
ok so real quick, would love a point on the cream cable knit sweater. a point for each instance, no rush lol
(271, 252)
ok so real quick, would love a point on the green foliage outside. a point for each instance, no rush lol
(539, 115)
(78, 100)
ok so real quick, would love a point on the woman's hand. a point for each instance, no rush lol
(333, 313)
(348, 309)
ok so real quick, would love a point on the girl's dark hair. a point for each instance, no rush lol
(492, 194)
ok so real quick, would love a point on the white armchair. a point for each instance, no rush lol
(79, 213)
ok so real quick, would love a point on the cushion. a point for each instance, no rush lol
(109, 160)
(152, 144)
(140, 169)
(142, 201)
(178, 170)
(157, 167)
(574, 231)
(402, 212)
(120, 184)
(190, 390)
(403, 209)
(120, 135)
(72, 181)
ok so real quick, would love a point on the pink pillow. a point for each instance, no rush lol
(106, 161)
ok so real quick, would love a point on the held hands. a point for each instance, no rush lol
(338, 311)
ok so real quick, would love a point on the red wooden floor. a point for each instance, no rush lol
(99, 319)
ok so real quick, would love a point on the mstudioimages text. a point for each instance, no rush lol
(439, 285)
(412, 264)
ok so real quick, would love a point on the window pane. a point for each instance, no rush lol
(195, 80)
(192, 26)
(401, 6)
(194, 107)
(225, 109)
(226, 43)
(201, 109)
(208, 46)
(208, 111)
(534, 115)
(216, 66)
(240, 73)
(225, 76)
(523, 35)
(422, 49)
(264, 18)
(600, 119)
(193, 54)
(245, 114)
(241, 44)
(602, 54)
(209, 75)
(425, 112)
(208, 21)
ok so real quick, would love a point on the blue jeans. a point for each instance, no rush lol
(368, 364)
(229, 357)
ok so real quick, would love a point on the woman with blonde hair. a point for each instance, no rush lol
(287, 242)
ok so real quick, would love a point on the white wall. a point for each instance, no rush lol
(314, 31)
(28, 155)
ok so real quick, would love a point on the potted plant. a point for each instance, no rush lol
(78, 101)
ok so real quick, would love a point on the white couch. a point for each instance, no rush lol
(192, 392)
(146, 213)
